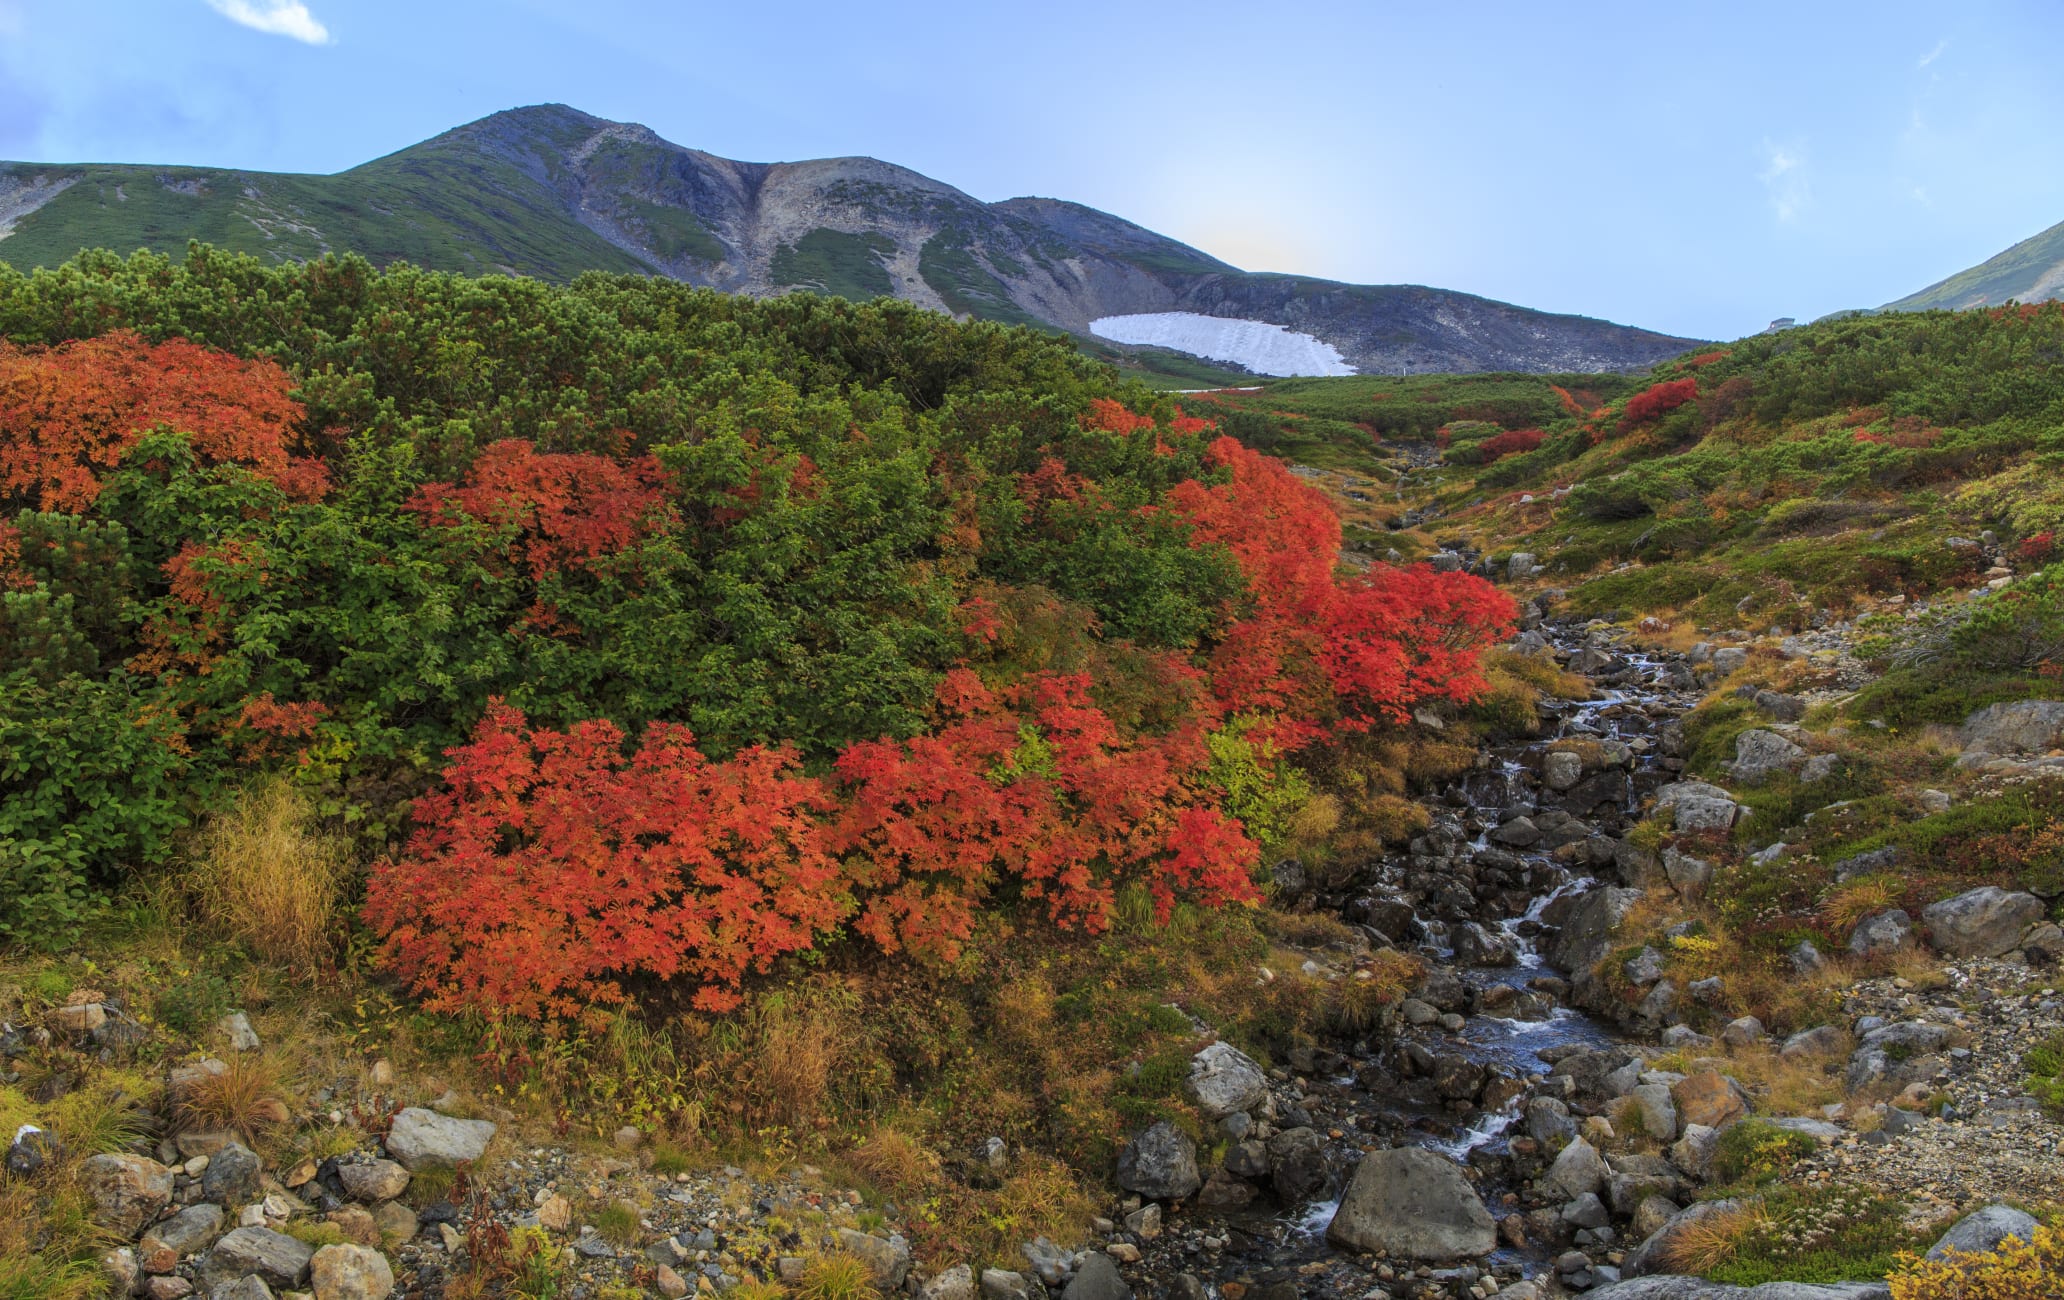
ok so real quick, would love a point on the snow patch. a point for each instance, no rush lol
(1261, 347)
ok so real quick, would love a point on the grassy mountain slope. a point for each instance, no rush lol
(551, 192)
(2030, 271)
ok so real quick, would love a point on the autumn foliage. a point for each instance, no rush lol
(72, 411)
(554, 510)
(1508, 443)
(1658, 401)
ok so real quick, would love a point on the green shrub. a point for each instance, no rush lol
(1756, 1151)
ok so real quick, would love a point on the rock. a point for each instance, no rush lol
(1586, 1211)
(1475, 945)
(555, 1213)
(2044, 945)
(1785, 708)
(1097, 1278)
(1645, 968)
(1759, 755)
(1414, 1204)
(1548, 1121)
(1160, 1164)
(2018, 727)
(1248, 1159)
(1743, 1031)
(1693, 1153)
(1697, 806)
(1519, 833)
(1651, 1215)
(1729, 659)
(1821, 1040)
(251, 1287)
(1818, 1129)
(1882, 934)
(232, 1175)
(994, 1152)
(671, 1284)
(31, 1151)
(350, 1273)
(1578, 1169)
(1145, 1222)
(1297, 1165)
(276, 1258)
(188, 1232)
(888, 1259)
(1002, 1284)
(181, 1079)
(1687, 875)
(1654, 1251)
(1709, 1098)
(1586, 934)
(1223, 1080)
(1934, 802)
(1984, 1231)
(121, 1270)
(424, 1139)
(356, 1223)
(127, 1191)
(956, 1283)
(1805, 959)
(1658, 1115)
(397, 1222)
(1985, 922)
(1561, 770)
(373, 1180)
(236, 1027)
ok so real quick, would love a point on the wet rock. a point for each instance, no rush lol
(127, 1191)
(423, 1139)
(1882, 934)
(1160, 1164)
(1519, 833)
(1586, 935)
(1413, 1204)
(1560, 770)
(1548, 1121)
(1984, 1231)
(350, 1273)
(1474, 945)
(1223, 1080)
(1297, 1165)
(1985, 922)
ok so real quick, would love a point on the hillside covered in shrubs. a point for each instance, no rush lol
(632, 631)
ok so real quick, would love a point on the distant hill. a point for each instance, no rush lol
(2030, 271)
(551, 192)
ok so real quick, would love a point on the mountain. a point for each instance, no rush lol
(2030, 271)
(549, 191)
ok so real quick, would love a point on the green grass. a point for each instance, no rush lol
(1845, 1235)
(964, 284)
(2045, 1066)
(673, 233)
(838, 264)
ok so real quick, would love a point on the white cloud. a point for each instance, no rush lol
(289, 18)
(1784, 179)
(1933, 54)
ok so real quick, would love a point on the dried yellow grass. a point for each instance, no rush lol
(266, 875)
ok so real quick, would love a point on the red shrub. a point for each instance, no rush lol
(1511, 442)
(69, 413)
(1109, 416)
(551, 864)
(559, 510)
(1656, 402)
(2039, 549)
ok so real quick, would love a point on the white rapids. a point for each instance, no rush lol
(1259, 346)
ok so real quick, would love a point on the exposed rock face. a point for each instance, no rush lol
(424, 1139)
(1586, 935)
(1224, 1080)
(1414, 1204)
(1981, 923)
(1984, 1231)
(2018, 727)
(1710, 1099)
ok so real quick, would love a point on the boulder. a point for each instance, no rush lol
(231, 1177)
(1561, 770)
(1586, 934)
(1688, 875)
(888, 1258)
(1413, 1204)
(1652, 1255)
(1297, 1165)
(1882, 934)
(373, 1180)
(1985, 922)
(1697, 806)
(956, 1283)
(2017, 727)
(276, 1258)
(248, 1287)
(1097, 1278)
(188, 1232)
(424, 1139)
(1693, 1153)
(127, 1191)
(1160, 1164)
(1003, 1284)
(1658, 1113)
(1821, 1040)
(1759, 755)
(1743, 1031)
(1577, 1169)
(1984, 1231)
(1548, 1121)
(1709, 1098)
(350, 1273)
(1224, 1080)
(236, 1027)
(31, 1151)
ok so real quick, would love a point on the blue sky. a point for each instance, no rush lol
(1694, 168)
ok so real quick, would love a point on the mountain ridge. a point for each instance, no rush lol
(551, 191)
(2030, 271)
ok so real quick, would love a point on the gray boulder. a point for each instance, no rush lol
(1561, 769)
(888, 1258)
(1413, 1204)
(232, 1175)
(1821, 1040)
(1548, 1120)
(1587, 931)
(424, 1139)
(1653, 1254)
(1759, 755)
(127, 1191)
(1882, 934)
(1983, 922)
(956, 1283)
(1160, 1164)
(275, 1257)
(188, 1232)
(1297, 1165)
(1577, 1169)
(1984, 1231)
(1224, 1080)
(2018, 727)
(1688, 875)
(1097, 1278)
(1697, 806)
(248, 1287)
